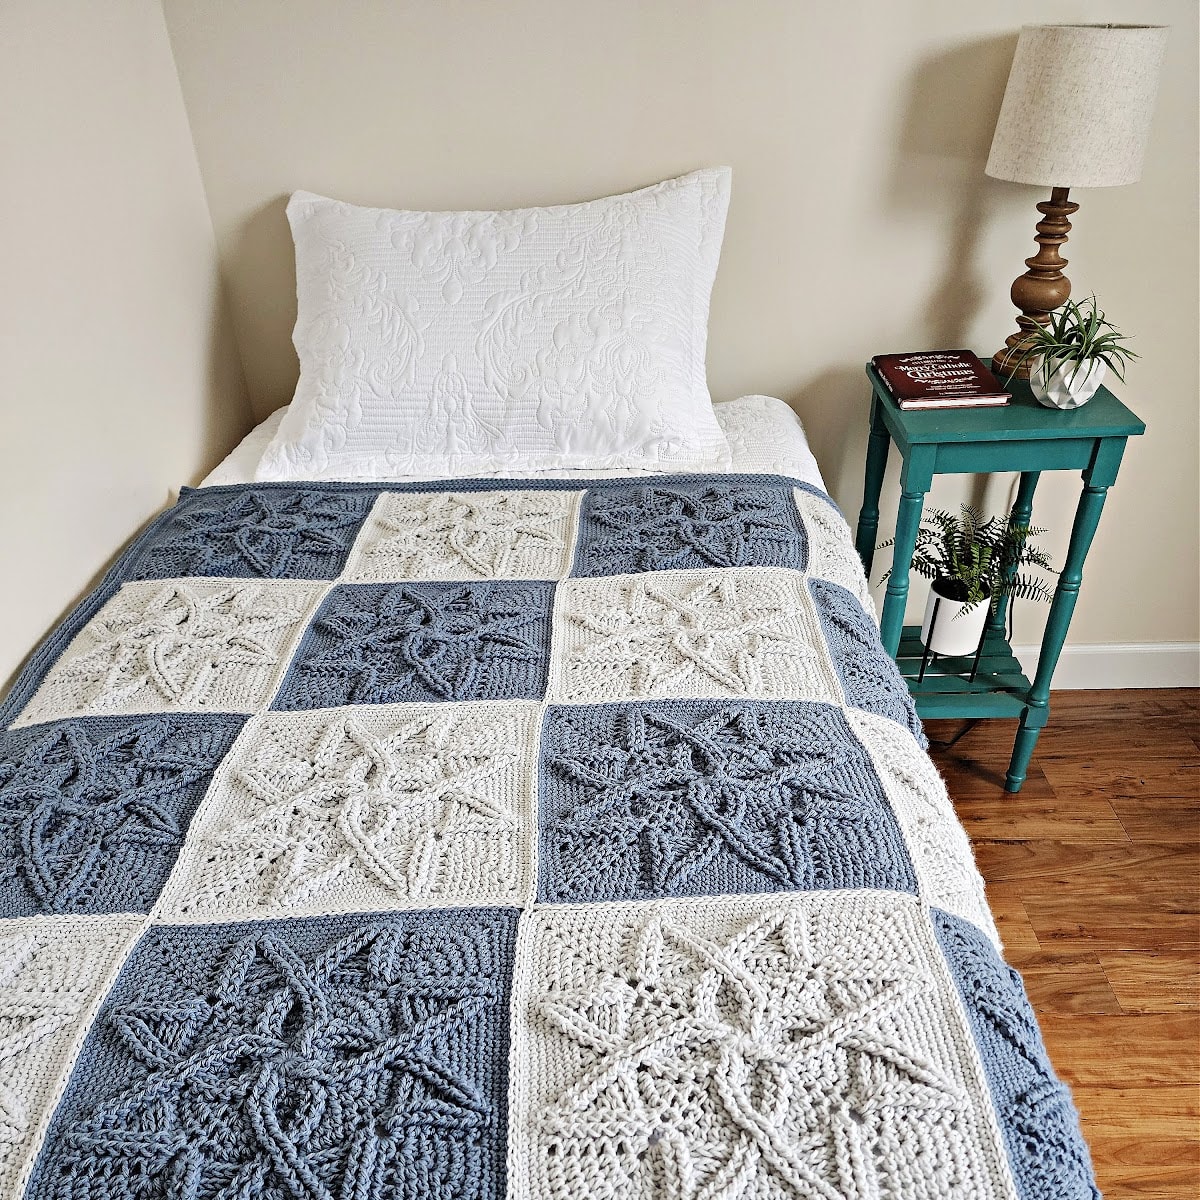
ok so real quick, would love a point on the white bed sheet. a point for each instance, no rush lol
(764, 436)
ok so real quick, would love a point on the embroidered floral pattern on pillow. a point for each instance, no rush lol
(464, 343)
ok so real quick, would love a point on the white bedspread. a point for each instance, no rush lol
(764, 436)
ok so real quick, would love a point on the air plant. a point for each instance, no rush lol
(1079, 334)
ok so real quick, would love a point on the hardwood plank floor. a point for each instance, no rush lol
(1093, 872)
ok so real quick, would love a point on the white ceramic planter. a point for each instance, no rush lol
(1060, 390)
(957, 632)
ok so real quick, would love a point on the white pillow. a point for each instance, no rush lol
(481, 342)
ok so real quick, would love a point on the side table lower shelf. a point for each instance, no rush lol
(999, 688)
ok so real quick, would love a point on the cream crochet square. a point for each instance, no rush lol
(777, 1046)
(179, 645)
(937, 842)
(53, 973)
(831, 553)
(365, 808)
(465, 535)
(744, 631)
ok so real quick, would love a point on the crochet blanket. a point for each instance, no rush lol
(548, 839)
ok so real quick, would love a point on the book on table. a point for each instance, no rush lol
(939, 379)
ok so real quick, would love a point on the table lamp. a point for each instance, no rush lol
(1076, 113)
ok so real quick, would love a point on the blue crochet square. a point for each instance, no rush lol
(869, 677)
(672, 526)
(391, 643)
(1046, 1150)
(93, 811)
(710, 797)
(263, 532)
(341, 1057)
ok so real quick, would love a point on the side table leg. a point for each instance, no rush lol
(1021, 514)
(868, 516)
(908, 521)
(1037, 703)
(1018, 766)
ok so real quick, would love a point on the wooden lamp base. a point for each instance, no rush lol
(1042, 288)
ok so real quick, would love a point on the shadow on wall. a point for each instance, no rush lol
(941, 149)
(228, 416)
(835, 408)
(229, 412)
(942, 141)
(954, 100)
(264, 250)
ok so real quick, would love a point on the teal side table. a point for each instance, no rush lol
(1022, 436)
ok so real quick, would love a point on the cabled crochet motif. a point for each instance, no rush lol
(1041, 1127)
(831, 553)
(745, 631)
(466, 535)
(701, 798)
(286, 533)
(657, 528)
(195, 644)
(935, 839)
(784, 1046)
(348, 1057)
(255, 822)
(373, 644)
(51, 972)
(93, 812)
(869, 676)
(367, 807)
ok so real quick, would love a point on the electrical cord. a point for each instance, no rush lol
(946, 745)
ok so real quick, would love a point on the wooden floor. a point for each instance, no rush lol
(1093, 872)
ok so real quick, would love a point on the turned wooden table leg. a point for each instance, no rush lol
(1096, 479)
(908, 521)
(1022, 513)
(914, 483)
(1042, 288)
(868, 516)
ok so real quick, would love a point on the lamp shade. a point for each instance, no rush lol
(1078, 104)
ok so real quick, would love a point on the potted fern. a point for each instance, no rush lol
(1069, 356)
(972, 563)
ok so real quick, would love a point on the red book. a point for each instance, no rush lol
(939, 379)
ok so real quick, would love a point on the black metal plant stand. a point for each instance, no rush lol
(937, 604)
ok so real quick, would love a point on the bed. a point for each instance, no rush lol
(549, 836)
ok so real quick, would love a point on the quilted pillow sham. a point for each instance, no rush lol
(466, 343)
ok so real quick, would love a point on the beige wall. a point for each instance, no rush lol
(117, 383)
(861, 218)
(861, 221)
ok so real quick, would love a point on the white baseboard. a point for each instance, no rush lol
(1121, 665)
